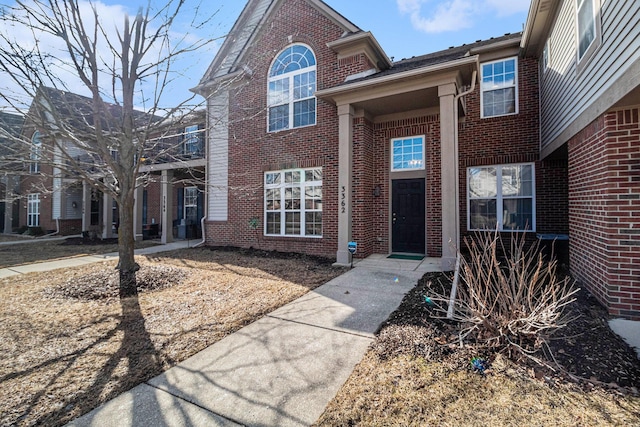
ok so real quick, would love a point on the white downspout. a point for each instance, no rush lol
(206, 185)
(456, 276)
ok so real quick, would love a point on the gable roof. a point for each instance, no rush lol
(245, 30)
(77, 110)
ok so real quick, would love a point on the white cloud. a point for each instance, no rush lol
(437, 16)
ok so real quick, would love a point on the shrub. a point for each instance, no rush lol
(510, 301)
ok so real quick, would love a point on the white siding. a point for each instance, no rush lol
(240, 38)
(218, 160)
(566, 91)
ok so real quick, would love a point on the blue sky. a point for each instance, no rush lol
(404, 28)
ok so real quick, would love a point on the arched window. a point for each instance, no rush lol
(292, 84)
(36, 151)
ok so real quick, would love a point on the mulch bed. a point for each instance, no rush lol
(586, 351)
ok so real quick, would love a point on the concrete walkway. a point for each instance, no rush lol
(83, 260)
(281, 370)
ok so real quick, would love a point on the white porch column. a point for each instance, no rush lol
(167, 206)
(448, 174)
(86, 206)
(107, 216)
(137, 212)
(345, 139)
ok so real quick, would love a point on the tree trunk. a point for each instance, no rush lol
(126, 239)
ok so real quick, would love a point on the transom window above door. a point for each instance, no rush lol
(407, 153)
(292, 84)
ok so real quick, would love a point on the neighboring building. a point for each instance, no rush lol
(176, 178)
(58, 200)
(10, 171)
(318, 139)
(589, 57)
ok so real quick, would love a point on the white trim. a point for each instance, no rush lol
(291, 102)
(33, 210)
(483, 90)
(499, 198)
(281, 208)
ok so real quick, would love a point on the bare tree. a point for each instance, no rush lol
(100, 138)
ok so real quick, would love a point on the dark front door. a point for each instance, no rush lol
(407, 216)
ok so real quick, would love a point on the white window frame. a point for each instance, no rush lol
(276, 187)
(33, 210)
(191, 138)
(35, 153)
(500, 198)
(414, 163)
(190, 197)
(580, 4)
(288, 98)
(487, 86)
(546, 55)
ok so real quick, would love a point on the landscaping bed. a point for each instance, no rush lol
(417, 374)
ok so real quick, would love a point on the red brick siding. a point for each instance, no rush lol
(604, 210)
(514, 139)
(252, 150)
(384, 133)
(367, 209)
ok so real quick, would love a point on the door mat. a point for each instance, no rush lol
(411, 257)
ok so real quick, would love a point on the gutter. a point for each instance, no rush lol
(456, 277)
(345, 88)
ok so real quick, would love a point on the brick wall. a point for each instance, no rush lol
(604, 210)
(514, 139)
(252, 150)
(429, 126)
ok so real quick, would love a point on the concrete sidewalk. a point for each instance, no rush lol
(86, 259)
(279, 371)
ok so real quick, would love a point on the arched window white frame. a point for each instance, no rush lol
(36, 152)
(292, 83)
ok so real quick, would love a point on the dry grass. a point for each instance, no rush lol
(63, 356)
(407, 391)
(14, 238)
(40, 250)
(416, 374)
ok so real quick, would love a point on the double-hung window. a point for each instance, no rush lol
(33, 210)
(293, 202)
(499, 87)
(292, 85)
(501, 196)
(192, 140)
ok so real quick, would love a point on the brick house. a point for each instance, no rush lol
(318, 139)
